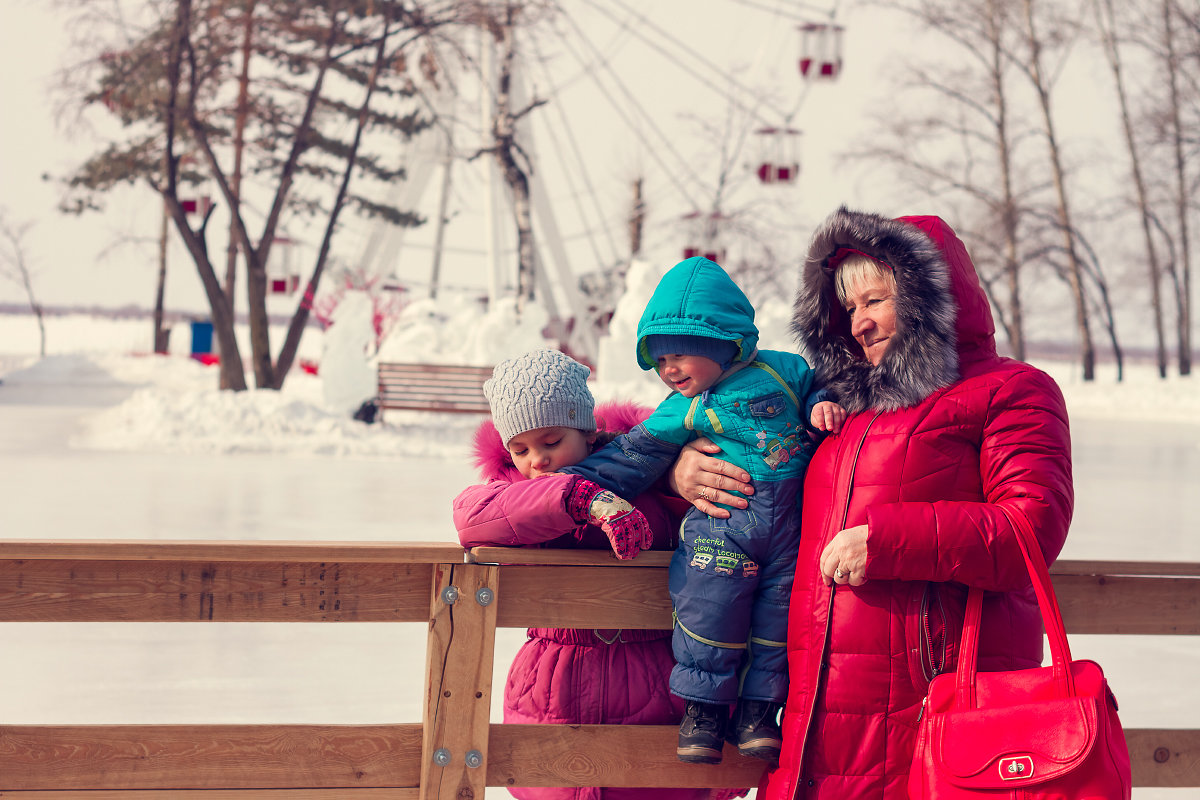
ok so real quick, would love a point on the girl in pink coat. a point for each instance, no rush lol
(543, 419)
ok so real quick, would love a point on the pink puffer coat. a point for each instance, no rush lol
(570, 675)
(945, 446)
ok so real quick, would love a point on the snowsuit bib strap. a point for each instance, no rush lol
(771, 371)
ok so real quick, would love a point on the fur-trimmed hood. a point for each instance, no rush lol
(494, 462)
(943, 320)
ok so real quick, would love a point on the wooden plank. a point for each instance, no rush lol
(226, 762)
(454, 381)
(206, 550)
(584, 597)
(196, 591)
(341, 793)
(432, 387)
(161, 757)
(606, 755)
(460, 654)
(1160, 568)
(541, 555)
(1164, 757)
(444, 369)
(601, 597)
(1129, 605)
(562, 557)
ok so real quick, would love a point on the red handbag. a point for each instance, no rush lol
(1050, 733)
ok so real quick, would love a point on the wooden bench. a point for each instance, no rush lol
(433, 387)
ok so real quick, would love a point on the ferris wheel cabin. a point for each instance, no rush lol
(821, 50)
(778, 155)
(704, 237)
(282, 275)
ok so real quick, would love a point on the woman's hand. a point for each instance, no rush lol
(844, 559)
(705, 481)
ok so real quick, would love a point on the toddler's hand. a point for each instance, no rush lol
(828, 416)
(626, 527)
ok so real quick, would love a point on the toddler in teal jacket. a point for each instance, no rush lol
(730, 579)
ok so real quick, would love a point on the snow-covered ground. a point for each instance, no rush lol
(97, 441)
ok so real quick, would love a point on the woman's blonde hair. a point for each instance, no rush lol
(857, 269)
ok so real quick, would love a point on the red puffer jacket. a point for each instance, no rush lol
(945, 445)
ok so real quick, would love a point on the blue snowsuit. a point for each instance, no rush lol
(730, 579)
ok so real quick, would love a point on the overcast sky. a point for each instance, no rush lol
(673, 61)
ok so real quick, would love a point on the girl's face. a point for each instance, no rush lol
(543, 451)
(688, 375)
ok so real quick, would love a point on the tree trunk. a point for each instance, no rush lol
(1074, 277)
(291, 343)
(1107, 24)
(637, 220)
(504, 132)
(160, 334)
(1108, 316)
(1008, 207)
(232, 371)
(1183, 293)
(16, 236)
(256, 257)
(239, 138)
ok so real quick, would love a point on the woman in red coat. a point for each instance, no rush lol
(945, 446)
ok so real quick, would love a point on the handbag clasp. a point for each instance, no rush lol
(1015, 768)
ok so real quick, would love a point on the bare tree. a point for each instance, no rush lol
(241, 117)
(1107, 24)
(1035, 70)
(14, 266)
(965, 114)
(1182, 274)
(168, 87)
(515, 164)
(160, 286)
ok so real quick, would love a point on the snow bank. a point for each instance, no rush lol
(171, 404)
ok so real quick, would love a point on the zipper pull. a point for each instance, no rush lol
(921, 713)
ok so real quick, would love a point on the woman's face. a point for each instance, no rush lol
(871, 306)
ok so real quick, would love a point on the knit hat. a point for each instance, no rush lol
(721, 351)
(540, 389)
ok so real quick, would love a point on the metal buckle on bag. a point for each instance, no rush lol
(1012, 769)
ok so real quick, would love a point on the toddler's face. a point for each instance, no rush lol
(543, 451)
(688, 375)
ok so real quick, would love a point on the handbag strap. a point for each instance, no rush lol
(1056, 634)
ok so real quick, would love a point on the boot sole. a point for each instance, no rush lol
(698, 755)
(765, 747)
(769, 754)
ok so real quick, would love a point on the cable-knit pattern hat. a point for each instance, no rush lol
(540, 389)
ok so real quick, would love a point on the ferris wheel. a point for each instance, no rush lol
(613, 99)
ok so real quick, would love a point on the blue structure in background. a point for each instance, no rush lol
(202, 336)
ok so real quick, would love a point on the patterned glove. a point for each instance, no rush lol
(626, 527)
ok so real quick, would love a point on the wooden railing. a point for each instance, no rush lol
(457, 749)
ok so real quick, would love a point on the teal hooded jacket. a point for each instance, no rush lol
(758, 411)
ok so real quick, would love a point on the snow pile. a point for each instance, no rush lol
(450, 330)
(171, 403)
(1141, 395)
(179, 409)
(346, 375)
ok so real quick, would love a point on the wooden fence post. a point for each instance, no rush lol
(458, 681)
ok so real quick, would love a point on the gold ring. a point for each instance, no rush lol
(704, 493)
(839, 574)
